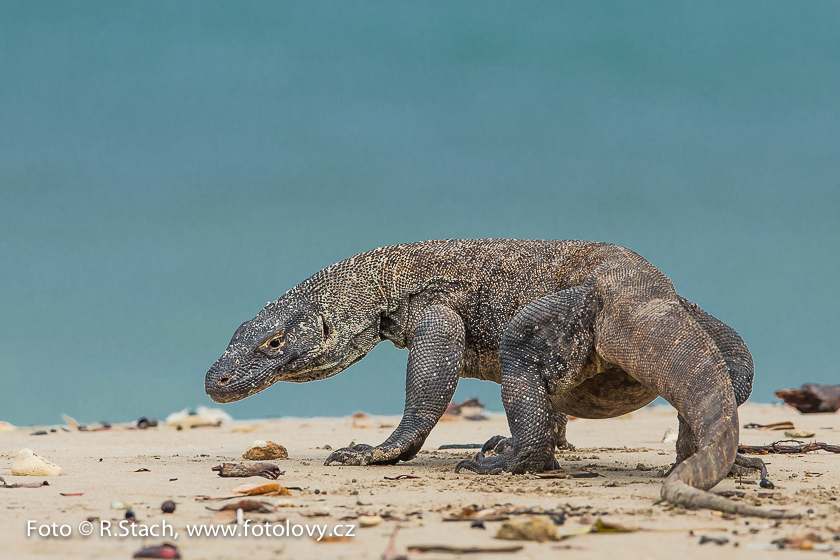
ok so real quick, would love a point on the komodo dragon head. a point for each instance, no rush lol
(287, 341)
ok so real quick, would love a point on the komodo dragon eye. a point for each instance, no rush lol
(274, 344)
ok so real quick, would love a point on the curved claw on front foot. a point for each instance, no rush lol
(358, 455)
(363, 454)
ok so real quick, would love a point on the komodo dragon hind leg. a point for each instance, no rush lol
(646, 331)
(542, 351)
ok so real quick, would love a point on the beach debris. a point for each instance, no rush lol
(470, 409)
(402, 477)
(244, 470)
(799, 434)
(129, 514)
(27, 463)
(601, 526)
(144, 423)
(249, 506)
(670, 436)
(70, 421)
(359, 418)
(717, 540)
(6, 427)
(266, 489)
(331, 539)
(477, 525)
(168, 506)
(39, 433)
(786, 425)
(464, 549)
(536, 528)
(777, 447)
(120, 505)
(24, 484)
(812, 398)
(68, 494)
(142, 469)
(265, 450)
(808, 541)
(369, 520)
(460, 446)
(164, 550)
(391, 550)
(200, 417)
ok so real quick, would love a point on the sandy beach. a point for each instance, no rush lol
(626, 456)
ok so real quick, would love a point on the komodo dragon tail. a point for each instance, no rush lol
(681, 486)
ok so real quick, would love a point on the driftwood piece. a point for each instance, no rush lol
(811, 398)
(777, 447)
(265, 470)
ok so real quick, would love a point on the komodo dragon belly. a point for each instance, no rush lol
(605, 391)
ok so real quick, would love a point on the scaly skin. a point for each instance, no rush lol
(567, 327)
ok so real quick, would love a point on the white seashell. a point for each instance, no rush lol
(28, 464)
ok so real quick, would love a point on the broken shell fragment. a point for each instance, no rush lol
(800, 433)
(265, 450)
(369, 520)
(28, 464)
(265, 470)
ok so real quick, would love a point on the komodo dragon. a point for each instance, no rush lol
(567, 327)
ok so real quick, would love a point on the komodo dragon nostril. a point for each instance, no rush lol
(224, 380)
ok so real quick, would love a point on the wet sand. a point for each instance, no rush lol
(626, 453)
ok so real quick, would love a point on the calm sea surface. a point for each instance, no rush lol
(168, 168)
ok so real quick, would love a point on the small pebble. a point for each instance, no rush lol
(477, 525)
(129, 514)
(168, 506)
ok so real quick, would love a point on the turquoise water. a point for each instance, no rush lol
(167, 168)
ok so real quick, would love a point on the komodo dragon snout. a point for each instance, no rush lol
(283, 343)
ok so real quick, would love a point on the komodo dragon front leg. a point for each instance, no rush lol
(631, 320)
(435, 361)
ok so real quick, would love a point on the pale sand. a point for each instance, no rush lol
(100, 464)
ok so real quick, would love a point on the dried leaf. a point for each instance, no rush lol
(267, 489)
(602, 526)
(72, 493)
(786, 425)
(401, 477)
(24, 485)
(331, 539)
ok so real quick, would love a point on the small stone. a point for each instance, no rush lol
(168, 506)
(534, 529)
(28, 464)
(265, 450)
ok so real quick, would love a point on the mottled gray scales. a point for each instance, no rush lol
(567, 327)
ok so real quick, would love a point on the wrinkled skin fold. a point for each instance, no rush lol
(567, 327)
